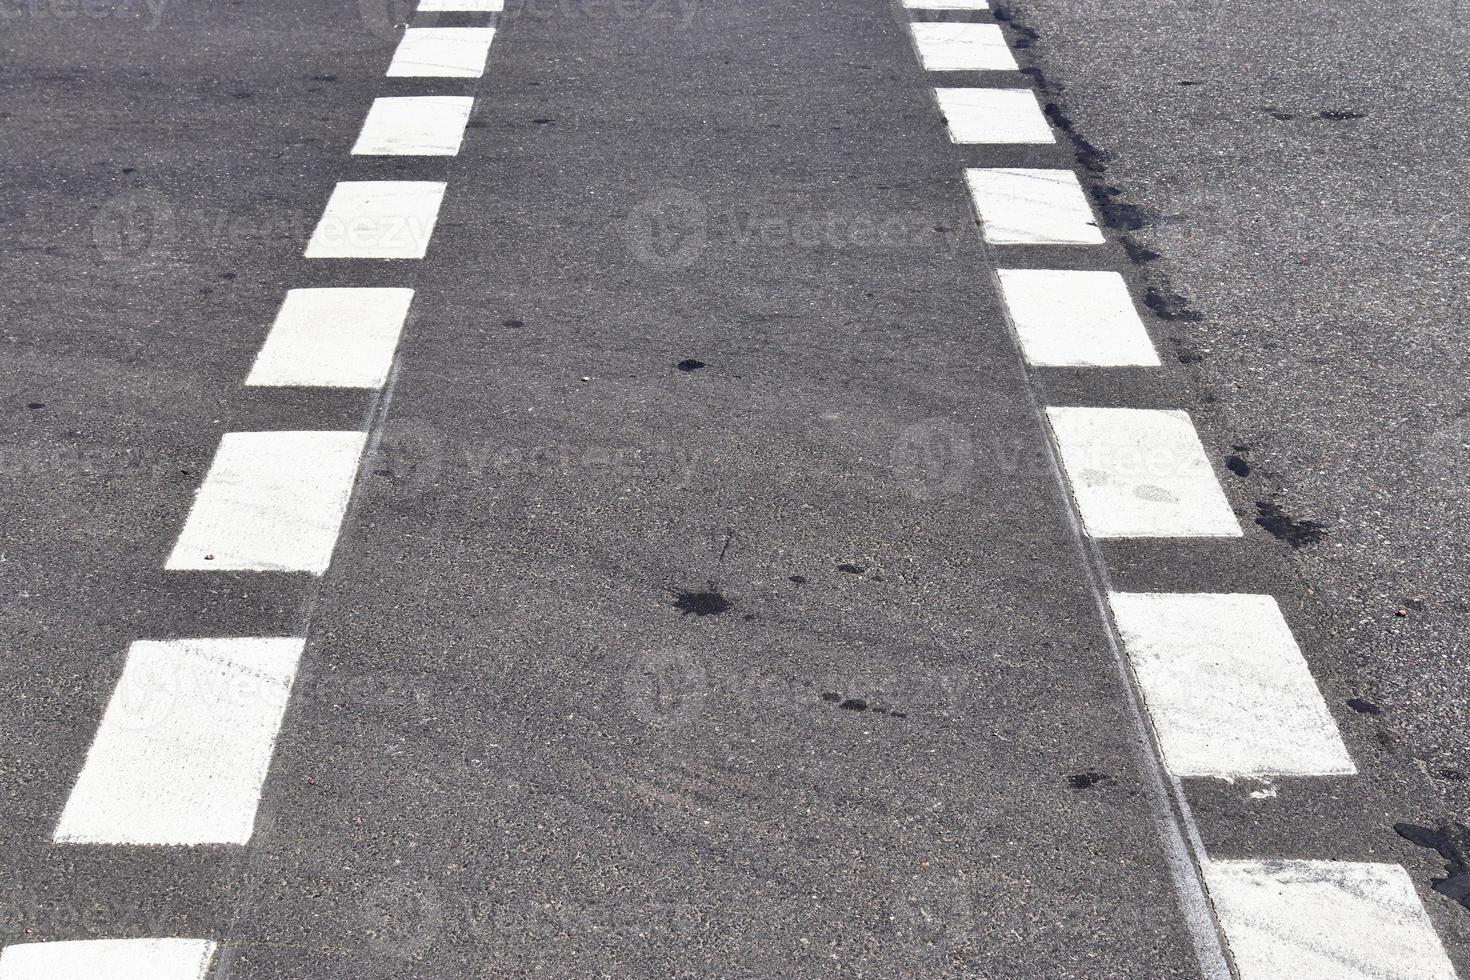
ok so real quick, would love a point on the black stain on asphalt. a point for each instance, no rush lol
(701, 602)
(690, 364)
(1188, 81)
(1276, 113)
(543, 122)
(1170, 306)
(798, 579)
(1452, 841)
(1284, 527)
(1090, 156)
(513, 324)
(851, 568)
(859, 704)
(1237, 465)
(1089, 779)
(1364, 707)
(1117, 214)
(1137, 254)
(1025, 36)
(35, 405)
(1187, 355)
(1339, 115)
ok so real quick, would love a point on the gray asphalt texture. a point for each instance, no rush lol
(708, 606)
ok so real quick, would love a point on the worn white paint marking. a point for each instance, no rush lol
(1324, 920)
(1032, 207)
(185, 744)
(377, 219)
(993, 115)
(272, 501)
(442, 52)
(332, 338)
(461, 6)
(945, 46)
(1226, 686)
(946, 4)
(108, 959)
(1140, 473)
(415, 125)
(1076, 319)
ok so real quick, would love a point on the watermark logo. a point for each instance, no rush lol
(933, 458)
(135, 224)
(667, 230)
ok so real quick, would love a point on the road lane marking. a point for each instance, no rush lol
(1227, 687)
(461, 6)
(108, 959)
(1140, 473)
(442, 52)
(1325, 920)
(414, 125)
(272, 501)
(332, 338)
(945, 46)
(993, 115)
(1032, 207)
(185, 743)
(1076, 319)
(946, 4)
(377, 219)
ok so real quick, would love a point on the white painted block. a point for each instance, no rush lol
(1032, 207)
(442, 52)
(946, 46)
(461, 6)
(1324, 920)
(185, 743)
(993, 115)
(1076, 319)
(415, 125)
(332, 338)
(1140, 473)
(108, 959)
(1226, 686)
(377, 219)
(946, 4)
(272, 501)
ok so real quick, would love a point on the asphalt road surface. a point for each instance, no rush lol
(665, 488)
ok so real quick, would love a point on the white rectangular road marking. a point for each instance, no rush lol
(185, 743)
(1226, 686)
(414, 125)
(946, 4)
(108, 959)
(461, 6)
(377, 219)
(272, 501)
(1076, 319)
(442, 52)
(1324, 920)
(1032, 207)
(945, 46)
(332, 338)
(993, 115)
(1140, 473)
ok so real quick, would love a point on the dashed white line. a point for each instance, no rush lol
(414, 125)
(1325, 920)
(946, 4)
(461, 6)
(1140, 473)
(993, 115)
(108, 959)
(1076, 319)
(185, 743)
(272, 501)
(377, 219)
(945, 46)
(442, 52)
(1226, 686)
(1032, 207)
(332, 338)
